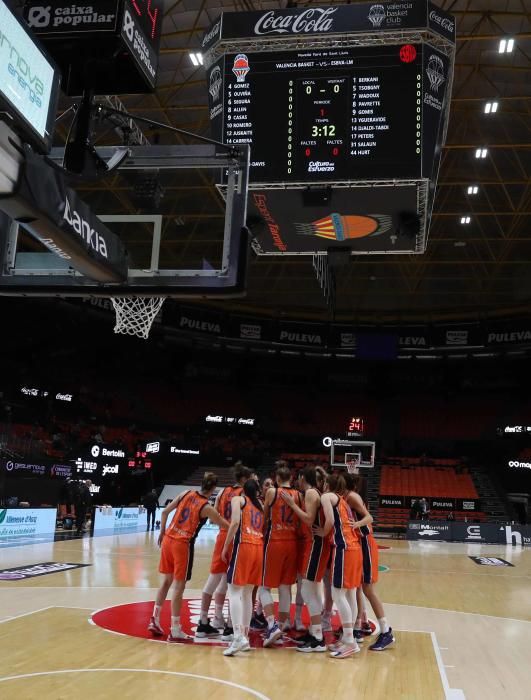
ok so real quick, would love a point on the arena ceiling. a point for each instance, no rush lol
(477, 271)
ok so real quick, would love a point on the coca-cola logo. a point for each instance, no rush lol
(317, 19)
(444, 22)
(211, 34)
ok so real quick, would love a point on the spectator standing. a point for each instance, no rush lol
(82, 502)
(150, 503)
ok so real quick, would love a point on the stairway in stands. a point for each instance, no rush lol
(373, 488)
(492, 502)
(224, 475)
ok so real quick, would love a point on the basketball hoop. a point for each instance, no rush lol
(135, 315)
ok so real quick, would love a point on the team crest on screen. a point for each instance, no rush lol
(241, 67)
(435, 72)
(215, 83)
(377, 15)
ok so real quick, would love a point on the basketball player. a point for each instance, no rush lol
(280, 553)
(369, 548)
(177, 550)
(217, 581)
(314, 553)
(258, 621)
(245, 562)
(346, 565)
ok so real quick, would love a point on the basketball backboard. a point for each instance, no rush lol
(175, 246)
(345, 451)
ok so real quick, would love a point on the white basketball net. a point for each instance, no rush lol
(353, 466)
(135, 315)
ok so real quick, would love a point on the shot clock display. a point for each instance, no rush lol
(332, 114)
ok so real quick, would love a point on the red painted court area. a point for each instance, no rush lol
(132, 620)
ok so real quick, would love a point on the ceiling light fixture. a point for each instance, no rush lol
(491, 107)
(481, 152)
(506, 46)
(196, 58)
(473, 189)
(465, 220)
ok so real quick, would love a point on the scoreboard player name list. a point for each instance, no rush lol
(370, 99)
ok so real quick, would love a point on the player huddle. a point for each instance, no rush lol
(319, 532)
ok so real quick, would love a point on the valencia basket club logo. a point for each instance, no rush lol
(337, 227)
(214, 86)
(435, 72)
(377, 15)
(241, 67)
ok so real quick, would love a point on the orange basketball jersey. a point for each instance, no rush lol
(224, 506)
(186, 521)
(344, 536)
(283, 523)
(251, 524)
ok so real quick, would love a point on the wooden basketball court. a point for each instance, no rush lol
(462, 630)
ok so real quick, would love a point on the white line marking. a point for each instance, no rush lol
(251, 691)
(458, 612)
(31, 612)
(450, 693)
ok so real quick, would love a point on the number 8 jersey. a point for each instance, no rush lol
(187, 522)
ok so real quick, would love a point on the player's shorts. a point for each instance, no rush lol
(280, 563)
(177, 558)
(369, 550)
(315, 559)
(346, 567)
(245, 567)
(218, 566)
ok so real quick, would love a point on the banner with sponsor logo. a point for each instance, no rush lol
(363, 219)
(198, 320)
(458, 336)
(309, 334)
(516, 333)
(489, 533)
(490, 561)
(17, 522)
(393, 501)
(441, 22)
(429, 530)
(119, 519)
(70, 18)
(32, 570)
(15, 467)
(316, 21)
(468, 504)
(343, 337)
(434, 503)
(252, 329)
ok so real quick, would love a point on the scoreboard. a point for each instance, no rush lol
(326, 114)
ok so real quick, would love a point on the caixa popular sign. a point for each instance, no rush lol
(120, 38)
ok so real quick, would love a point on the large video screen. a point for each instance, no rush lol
(332, 114)
(28, 80)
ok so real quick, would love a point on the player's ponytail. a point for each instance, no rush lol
(336, 483)
(210, 481)
(251, 489)
(320, 475)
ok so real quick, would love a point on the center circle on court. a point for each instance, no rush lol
(44, 683)
(132, 619)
